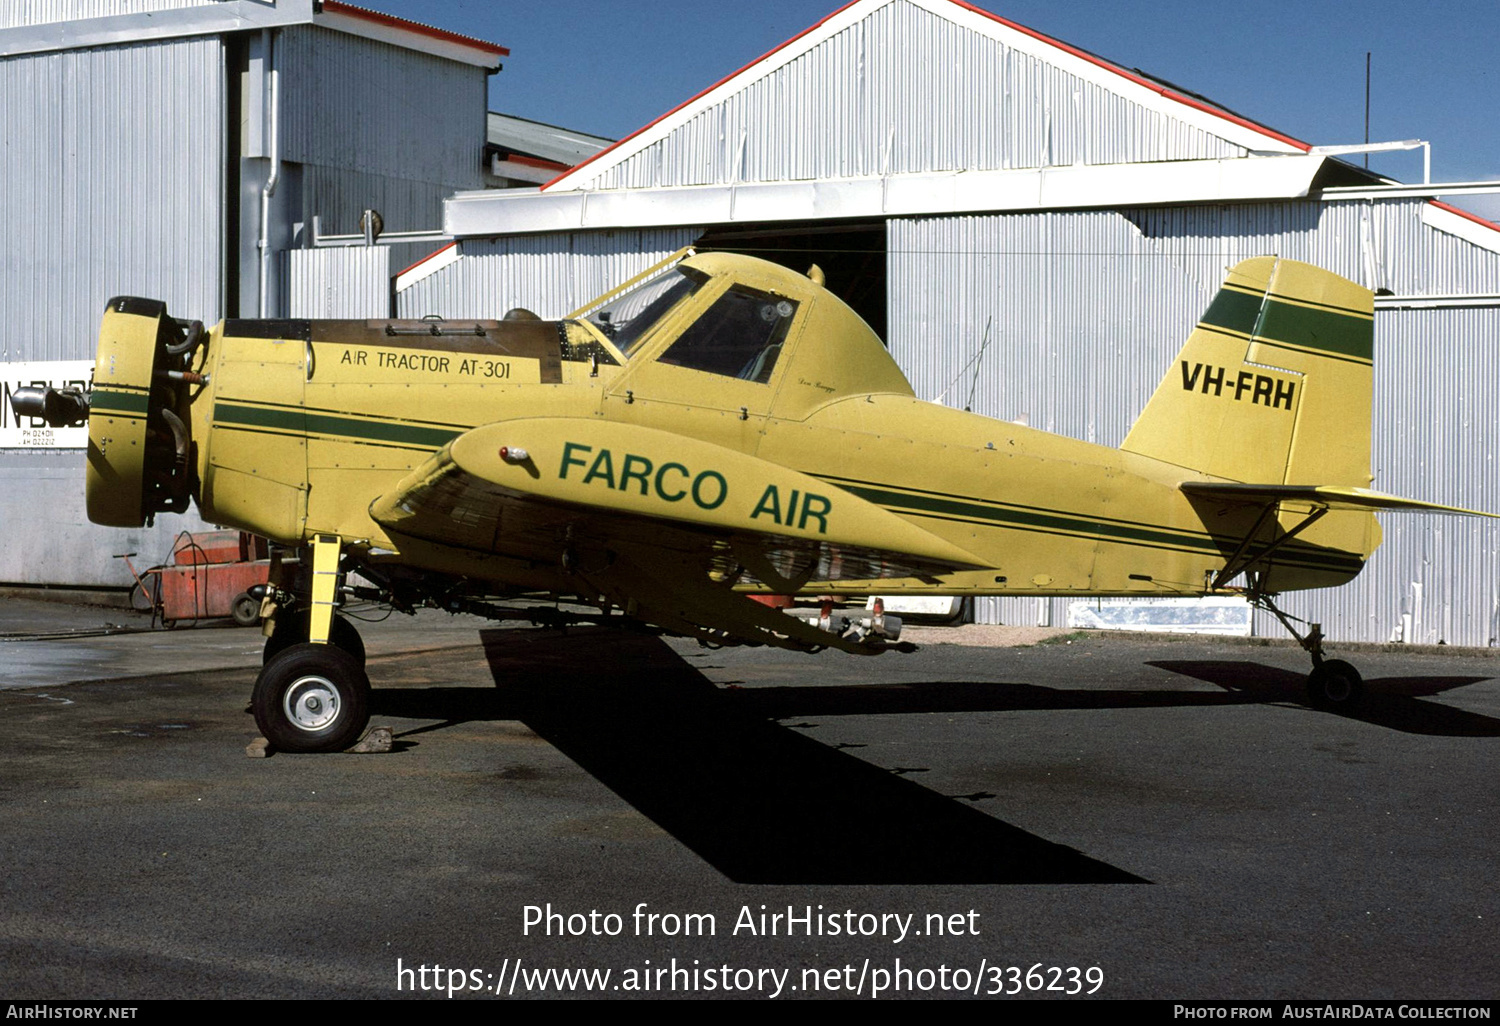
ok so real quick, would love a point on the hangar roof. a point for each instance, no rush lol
(528, 153)
(545, 142)
(925, 66)
(908, 107)
(60, 27)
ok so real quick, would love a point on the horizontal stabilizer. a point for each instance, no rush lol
(1328, 496)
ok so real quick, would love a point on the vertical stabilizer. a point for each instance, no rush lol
(1273, 386)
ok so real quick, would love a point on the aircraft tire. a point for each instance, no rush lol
(245, 610)
(293, 630)
(1334, 684)
(312, 698)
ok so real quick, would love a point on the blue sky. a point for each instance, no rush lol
(610, 66)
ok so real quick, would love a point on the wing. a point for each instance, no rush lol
(661, 525)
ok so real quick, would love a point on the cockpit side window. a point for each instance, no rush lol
(740, 336)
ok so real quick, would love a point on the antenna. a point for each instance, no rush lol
(979, 357)
(970, 362)
(1367, 108)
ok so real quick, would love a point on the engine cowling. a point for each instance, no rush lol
(140, 445)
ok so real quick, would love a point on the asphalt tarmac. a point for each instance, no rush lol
(1131, 817)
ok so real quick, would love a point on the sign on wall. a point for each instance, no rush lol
(32, 433)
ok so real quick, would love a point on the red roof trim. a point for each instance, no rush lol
(1082, 55)
(339, 7)
(1465, 214)
(1138, 80)
(429, 256)
(519, 158)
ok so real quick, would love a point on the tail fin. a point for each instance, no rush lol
(1273, 386)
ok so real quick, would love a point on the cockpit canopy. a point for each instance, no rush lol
(737, 317)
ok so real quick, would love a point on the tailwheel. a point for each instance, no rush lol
(1334, 684)
(312, 698)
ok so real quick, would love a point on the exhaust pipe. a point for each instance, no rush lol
(59, 407)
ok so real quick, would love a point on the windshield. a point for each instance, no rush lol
(625, 320)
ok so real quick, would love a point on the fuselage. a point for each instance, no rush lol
(304, 424)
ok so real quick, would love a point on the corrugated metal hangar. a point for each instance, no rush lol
(175, 152)
(1034, 231)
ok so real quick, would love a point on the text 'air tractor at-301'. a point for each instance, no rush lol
(717, 427)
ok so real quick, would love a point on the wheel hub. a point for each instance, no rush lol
(311, 703)
(1338, 688)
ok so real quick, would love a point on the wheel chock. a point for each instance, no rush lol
(378, 740)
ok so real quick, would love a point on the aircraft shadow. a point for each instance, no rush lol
(759, 802)
(954, 696)
(764, 804)
(1390, 702)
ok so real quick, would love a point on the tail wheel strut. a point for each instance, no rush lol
(1333, 684)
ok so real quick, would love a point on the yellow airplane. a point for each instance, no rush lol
(717, 427)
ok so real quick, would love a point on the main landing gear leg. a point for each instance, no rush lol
(1333, 684)
(312, 695)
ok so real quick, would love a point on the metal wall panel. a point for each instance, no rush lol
(112, 167)
(340, 196)
(1434, 579)
(904, 90)
(111, 163)
(1437, 375)
(1417, 259)
(48, 539)
(15, 13)
(365, 106)
(1085, 311)
(1381, 244)
(347, 282)
(550, 275)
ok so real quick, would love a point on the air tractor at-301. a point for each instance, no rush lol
(719, 426)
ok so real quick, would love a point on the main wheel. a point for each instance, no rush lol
(245, 610)
(294, 629)
(1334, 684)
(312, 698)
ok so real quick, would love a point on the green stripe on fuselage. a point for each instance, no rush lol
(301, 421)
(1052, 521)
(1030, 517)
(110, 401)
